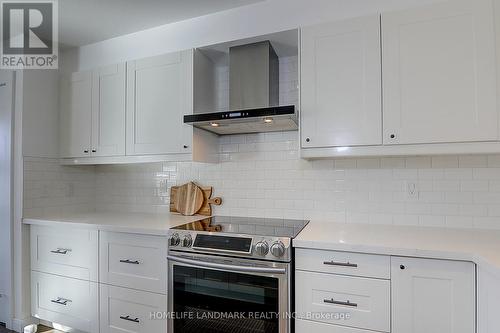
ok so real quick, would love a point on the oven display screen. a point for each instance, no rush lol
(235, 114)
(238, 244)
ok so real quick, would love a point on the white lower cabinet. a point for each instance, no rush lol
(306, 326)
(418, 296)
(65, 301)
(65, 251)
(344, 300)
(133, 261)
(126, 310)
(433, 296)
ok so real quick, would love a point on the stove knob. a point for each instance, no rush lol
(187, 241)
(278, 249)
(261, 248)
(175, 240)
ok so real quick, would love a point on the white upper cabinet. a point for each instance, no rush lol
(108, 111)
(341, 84)
(93, 113)
(76, 113)
(159, 94)
(432, 296)
(439, 74)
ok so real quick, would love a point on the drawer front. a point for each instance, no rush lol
(347, 301)
(345, 263)
(306, 326)
(66, 301)
(65, 251)
(134, 261)
(126, 310)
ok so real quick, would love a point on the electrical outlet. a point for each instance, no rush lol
(412, 190)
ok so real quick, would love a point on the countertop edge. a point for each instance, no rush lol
(96, 226)
(402, 252)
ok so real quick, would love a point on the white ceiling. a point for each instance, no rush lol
(83, 22)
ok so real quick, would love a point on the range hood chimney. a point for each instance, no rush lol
(253, 95)
(253, 76)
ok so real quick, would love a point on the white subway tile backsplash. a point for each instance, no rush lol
(262, 175)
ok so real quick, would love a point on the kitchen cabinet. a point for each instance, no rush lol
(93, 113)
(335, 284)
(341, 83)
(159, 94)
(365, 302)
(127, 310)
(439, 78)
(133, 261)
(65, 251)
(432, 296)
(76, 113)
(108, 111)
(69, 302)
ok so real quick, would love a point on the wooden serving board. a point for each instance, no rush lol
(205, 209)
(189, 199)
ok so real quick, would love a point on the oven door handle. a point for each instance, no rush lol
(244, 269)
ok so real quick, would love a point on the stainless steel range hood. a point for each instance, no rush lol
(253, 95)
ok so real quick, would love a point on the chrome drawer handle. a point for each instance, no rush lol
(128, 261)
(347, 303)
(61, 251)
(60, 301)
(343, 264)
(135, 320)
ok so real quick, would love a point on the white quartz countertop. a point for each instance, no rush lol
(479, 246)
(138, 223)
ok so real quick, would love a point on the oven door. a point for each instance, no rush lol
(213, 294)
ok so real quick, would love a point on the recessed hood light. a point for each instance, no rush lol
(268, 120)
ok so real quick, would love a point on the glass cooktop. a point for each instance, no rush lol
(247, 225)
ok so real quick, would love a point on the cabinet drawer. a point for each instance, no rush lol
(345, 263)
(305, 326)
(126, 310)
(134, 261)
(348, 301)
(65, 251)
(66, 301)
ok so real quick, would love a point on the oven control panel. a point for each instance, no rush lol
(258, 247)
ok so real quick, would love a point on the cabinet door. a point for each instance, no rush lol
(159, 94)
(341, 84)
(133, 261)
(439, 74)
(69, 302)
(76, 113)
(432, 296)
(108, 111)
(128, 310)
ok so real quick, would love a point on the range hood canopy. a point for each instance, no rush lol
(253, 95)
(270, 119)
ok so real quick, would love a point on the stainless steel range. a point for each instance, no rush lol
(231, 274)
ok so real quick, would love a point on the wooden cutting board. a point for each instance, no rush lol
(206, 208)
(189, 199)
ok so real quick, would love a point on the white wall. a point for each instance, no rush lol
(6, 123)
(248, 21)
(40, 113)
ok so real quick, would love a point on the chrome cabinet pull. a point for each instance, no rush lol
(135, 320)
(128, 261)
(61, 251)
(343, 264)
(347, 303)
(60, 301)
